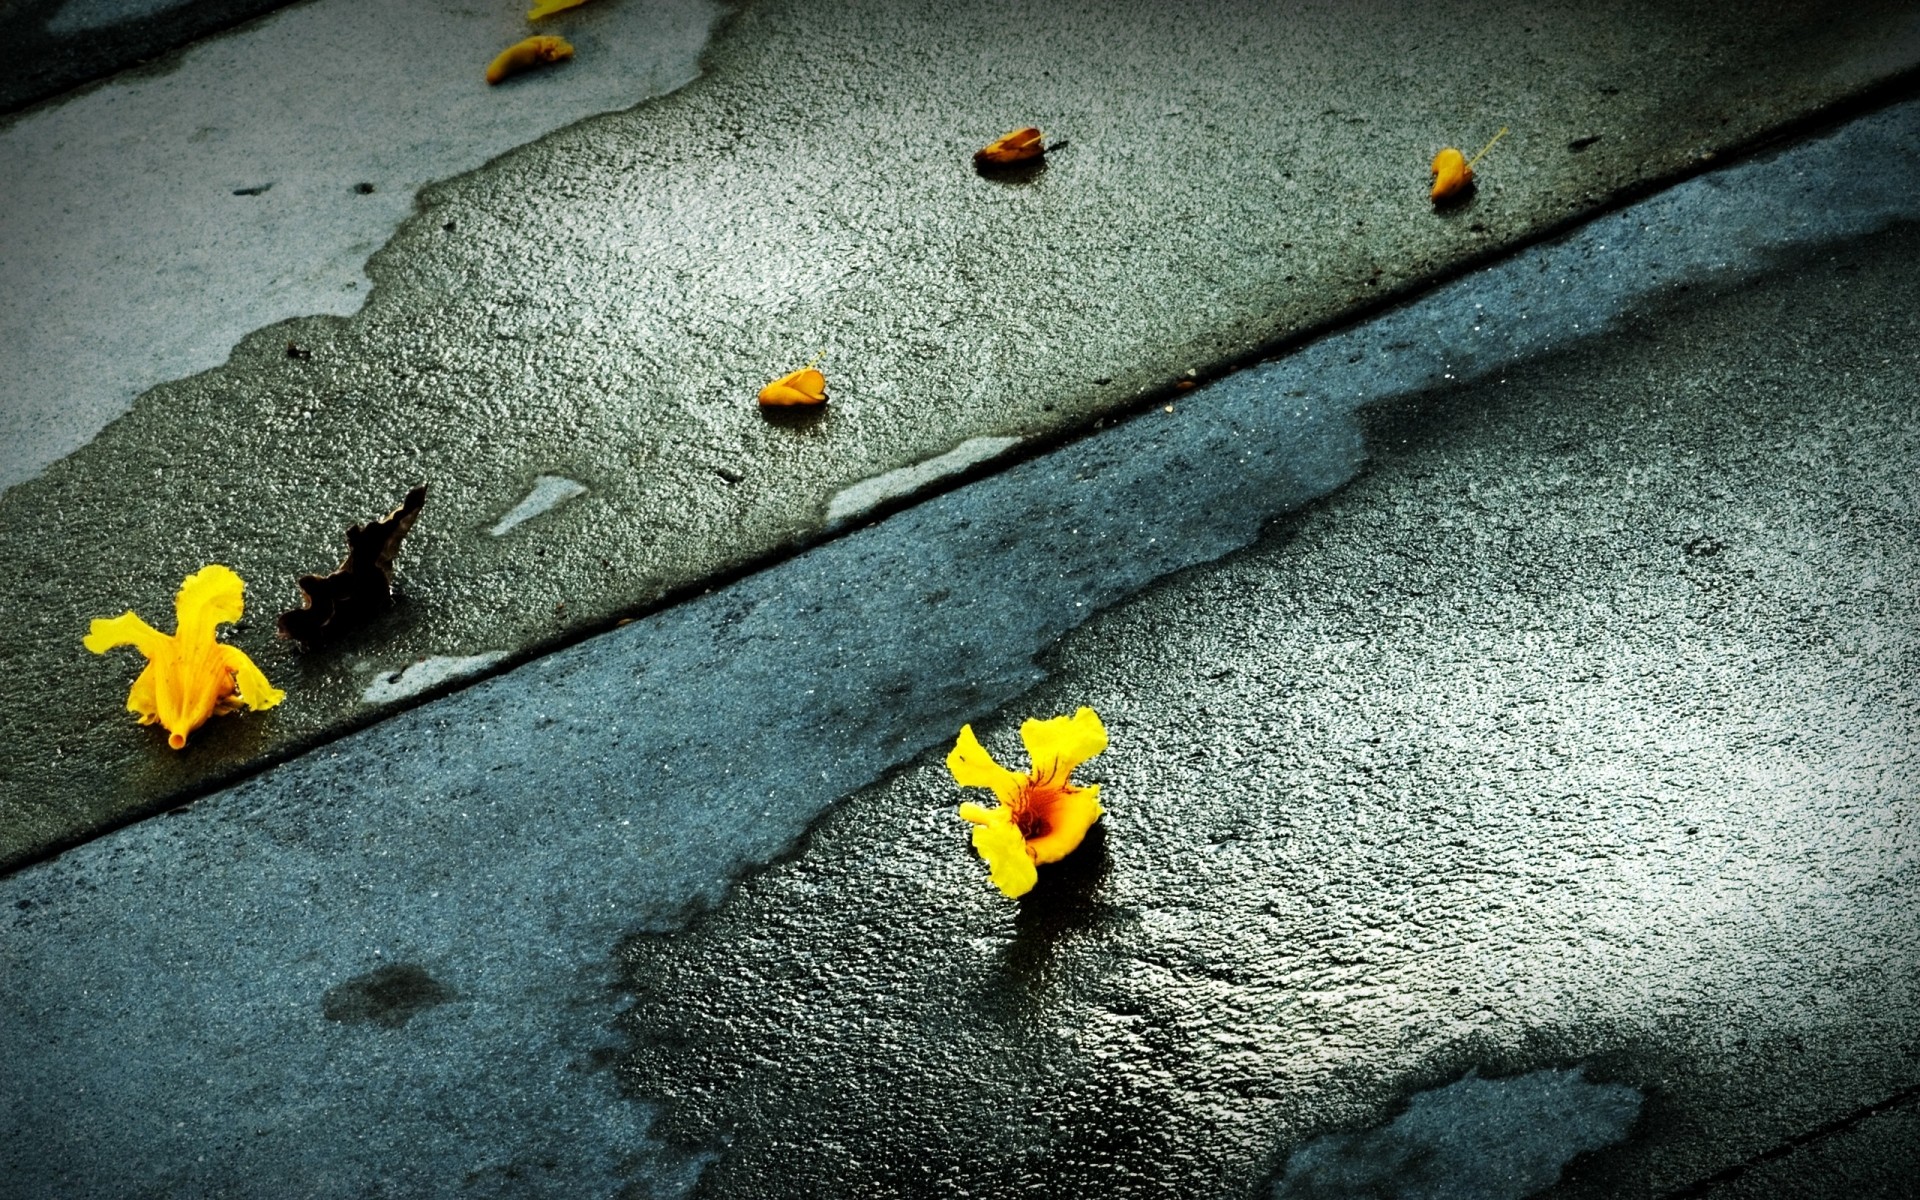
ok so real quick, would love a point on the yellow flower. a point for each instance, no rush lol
(1042, 815)
(189, 675)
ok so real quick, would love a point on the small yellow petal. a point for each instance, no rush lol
(1069, 815)
(250, 682)
(806, 386)
(1000, 843)
(141, 699)
(210, 597)
(980, 814)
(126, 630)
(1022, 145)
(1451, 175)
(546, 8)
(1058, 745)
(972, 766)
(527, 54)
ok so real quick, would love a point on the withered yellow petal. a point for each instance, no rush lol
(1059, 744)
(249, 682)
(1000, 843)
(546, 8)
(126, 630)
(527, 54)
(805, 386)
(972, 766)
(211, 597)
(1021, 145)
(1068, 815)
(1451, 175)
(1453, 171)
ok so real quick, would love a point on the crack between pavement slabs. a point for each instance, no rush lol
(1819, 1133)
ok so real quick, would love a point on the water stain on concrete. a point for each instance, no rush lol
(431, 672)
(548, 493)
(869, 494)
(1475, 1139)
(389, 995)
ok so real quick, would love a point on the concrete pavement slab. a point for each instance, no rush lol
(600, 307)
(157, 220)
(1578, 731)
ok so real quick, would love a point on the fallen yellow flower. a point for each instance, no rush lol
(1042, 815)
(1453, 172)
(546, 8)
(189, 676)
(527, 54)
(805, 386)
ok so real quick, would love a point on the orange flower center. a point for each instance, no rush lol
(1033, 809)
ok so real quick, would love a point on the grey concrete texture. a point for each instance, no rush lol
(388, 966)
(1582, 727)
(602, 305)
(155, 221)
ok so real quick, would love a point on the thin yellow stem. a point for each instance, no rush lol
(1483, 150)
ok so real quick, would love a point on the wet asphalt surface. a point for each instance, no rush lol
(601, 305)
(1568, 747)
(1580, 729)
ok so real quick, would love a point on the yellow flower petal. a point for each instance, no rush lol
(126, 630)
(980, 814)
(1453, 171)
(1068, 817)
(972, 766)
(141, 699)
(249, 682)
(1451, 175)
(190, 687)
(1000, 843)
(526, 54)
(210, 597)
(1058, 745)
(546, 8)
(1022, 145)
(807, 386)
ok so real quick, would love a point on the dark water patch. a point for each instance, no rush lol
(390, 995)
(1477, 1139)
